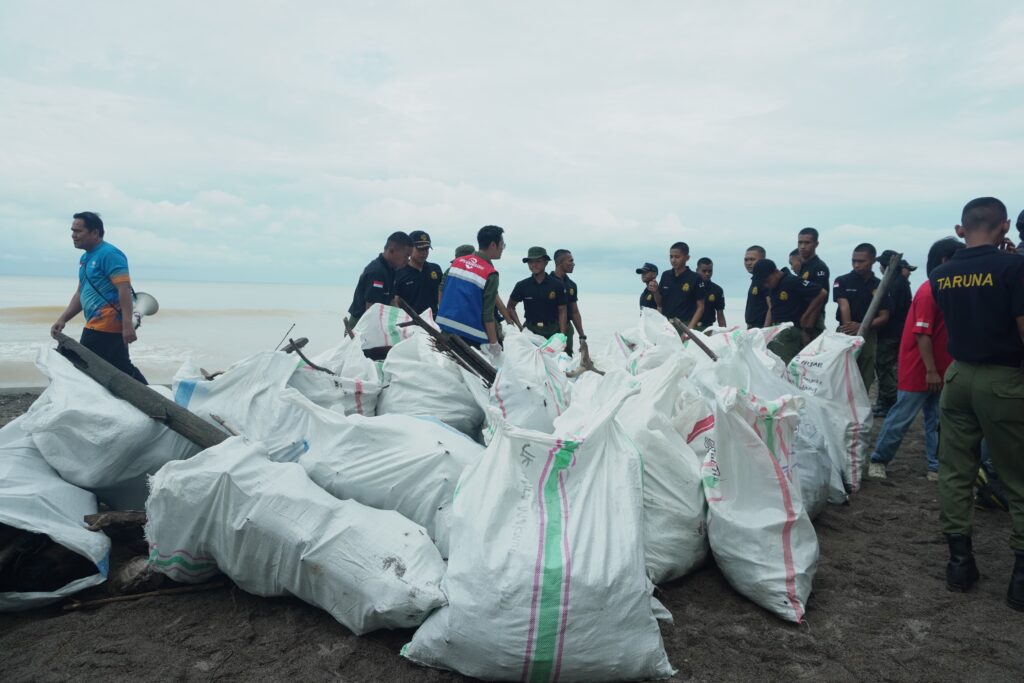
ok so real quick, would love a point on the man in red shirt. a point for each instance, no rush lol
(923, 360)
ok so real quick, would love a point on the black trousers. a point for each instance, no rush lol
(110, 347)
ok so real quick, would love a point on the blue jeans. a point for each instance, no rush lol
(908, 405)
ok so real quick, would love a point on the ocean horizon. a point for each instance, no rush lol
(214, 324)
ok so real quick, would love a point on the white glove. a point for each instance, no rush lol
(492, 352)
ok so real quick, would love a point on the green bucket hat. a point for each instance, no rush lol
(464, 250)
(536, 253)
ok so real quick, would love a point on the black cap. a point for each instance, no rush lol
(904, 264)
(647, 268)
(420, 239)
(1020, 221)
(886, 256)
(762, 269)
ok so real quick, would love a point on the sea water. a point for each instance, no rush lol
(214, 324)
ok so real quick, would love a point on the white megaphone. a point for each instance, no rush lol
(143, 304)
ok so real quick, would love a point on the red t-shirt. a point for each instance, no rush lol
(924, 317)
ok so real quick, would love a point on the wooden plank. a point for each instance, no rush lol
(152, 404)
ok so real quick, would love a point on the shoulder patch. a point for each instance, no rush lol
(711, 297)
(753, 290)
(433, 275)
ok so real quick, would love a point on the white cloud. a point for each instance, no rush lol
(230, 136)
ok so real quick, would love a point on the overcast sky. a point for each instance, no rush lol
(283, 141)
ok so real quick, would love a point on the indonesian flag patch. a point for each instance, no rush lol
(378, 283)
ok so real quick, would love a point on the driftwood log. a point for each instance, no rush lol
(115, 518)
(152, 404)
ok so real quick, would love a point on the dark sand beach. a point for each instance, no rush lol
(879, 611)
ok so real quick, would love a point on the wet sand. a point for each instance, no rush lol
(879, 611)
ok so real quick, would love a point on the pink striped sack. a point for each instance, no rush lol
(827, 368)
(546, 578)
(760, 533)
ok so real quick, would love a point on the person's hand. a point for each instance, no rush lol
(652, 286)
(57, 327)
(933, 380)
(850, 328)
(128, 333)
(492, 352)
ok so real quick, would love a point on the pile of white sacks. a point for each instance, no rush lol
(522, 527)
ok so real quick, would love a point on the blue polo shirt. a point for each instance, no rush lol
(100, 271)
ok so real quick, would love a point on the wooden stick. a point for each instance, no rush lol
(876, 301)
(138, 596)
(224, 423)
(453, 346)
(152, 404)
(298, 350)
(686, 333)
(295, 345)
(103, 520)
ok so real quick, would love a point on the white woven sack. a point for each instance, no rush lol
(34, 498)
(92, 438)
(382, 326)
(546, 579)
(761, 536)
(827, 368)
(274, 532)
(420, 381)
(395, 462)
(352, 389)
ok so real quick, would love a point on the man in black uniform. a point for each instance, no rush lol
(648, 273)
(714, 301)
(418, 282)
(793, 300)
(794, 262)
(757, 300)
(980, 292)
(813, 268)
(564, 265)
(681, 291)
(889, 335)
(377, 283)
(543, 296)
(853, 292)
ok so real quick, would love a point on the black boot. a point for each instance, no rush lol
(1015, 593)
(962, 572)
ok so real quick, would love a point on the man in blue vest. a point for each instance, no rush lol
(469, 292)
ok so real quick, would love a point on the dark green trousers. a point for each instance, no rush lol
(866, 359)
(980, 402)
(887, 354)
(787, 344)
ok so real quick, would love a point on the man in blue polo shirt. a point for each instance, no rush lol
(105, 295)
(980, 291)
